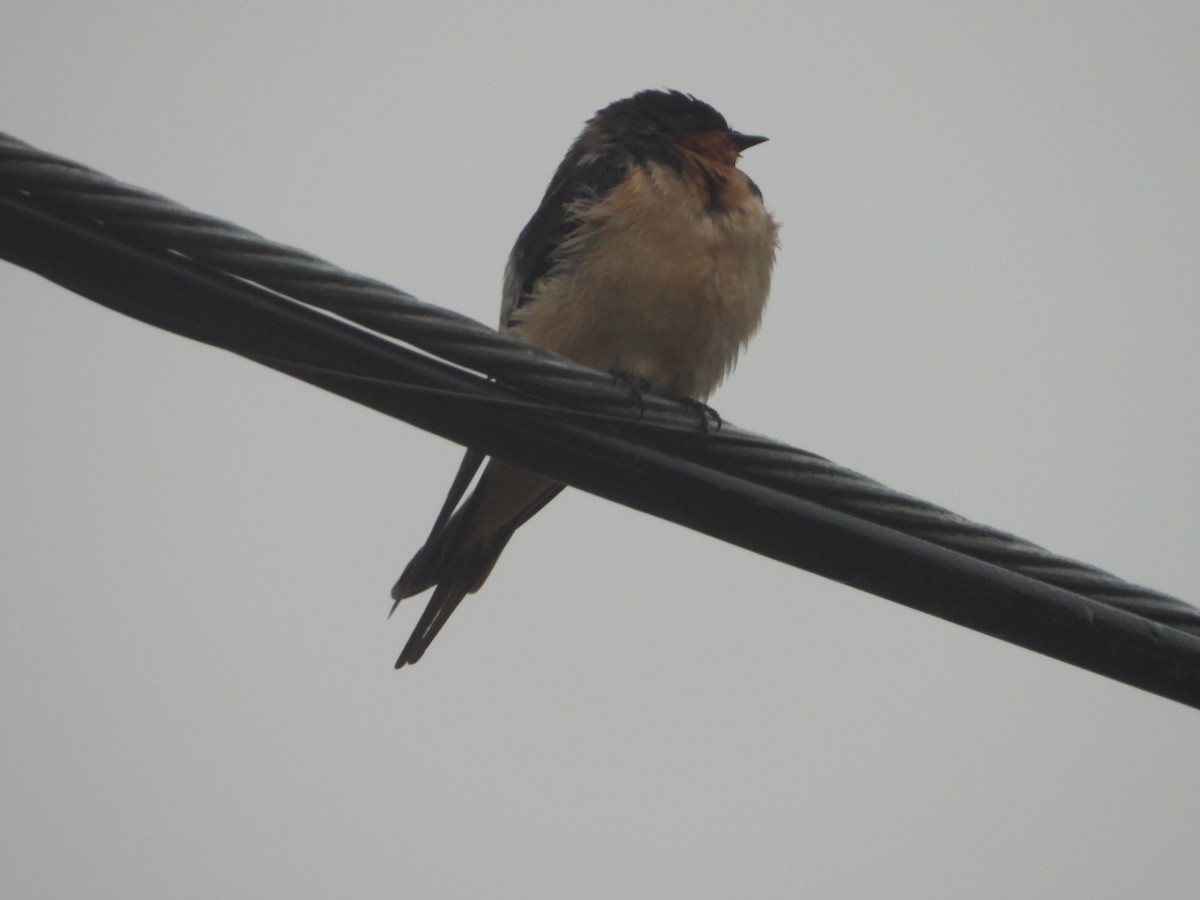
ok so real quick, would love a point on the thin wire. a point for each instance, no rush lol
(159, 222)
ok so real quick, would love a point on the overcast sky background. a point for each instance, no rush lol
(986, 296)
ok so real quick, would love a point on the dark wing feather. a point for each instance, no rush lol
(582, 177)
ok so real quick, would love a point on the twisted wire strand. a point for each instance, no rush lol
(159, 222)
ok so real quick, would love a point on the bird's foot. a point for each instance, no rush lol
(707, 414)
(637, 387)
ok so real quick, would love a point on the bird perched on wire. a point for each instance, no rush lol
(650, 256)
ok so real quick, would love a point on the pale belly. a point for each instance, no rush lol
(658, 289)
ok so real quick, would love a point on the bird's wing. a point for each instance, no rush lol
(581, 179)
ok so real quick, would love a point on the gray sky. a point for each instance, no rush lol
(986, 296)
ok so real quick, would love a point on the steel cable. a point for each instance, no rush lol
(158, 222)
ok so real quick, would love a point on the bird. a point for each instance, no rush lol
(649, 257)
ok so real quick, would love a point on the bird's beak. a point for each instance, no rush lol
(745, 141)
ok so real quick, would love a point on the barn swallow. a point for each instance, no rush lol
(649, 257)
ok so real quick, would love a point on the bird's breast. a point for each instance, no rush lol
(658, 281)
